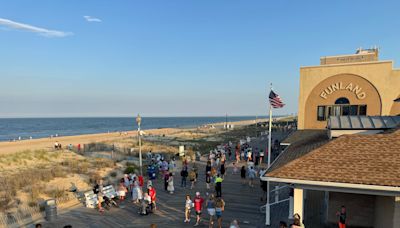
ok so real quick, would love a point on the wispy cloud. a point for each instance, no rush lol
(30, 28)
(92, 19)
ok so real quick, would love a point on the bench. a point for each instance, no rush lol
(90, 199)
(109, 191)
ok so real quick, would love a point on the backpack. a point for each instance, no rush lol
(192, 175)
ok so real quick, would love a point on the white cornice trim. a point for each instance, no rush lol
(333, 184)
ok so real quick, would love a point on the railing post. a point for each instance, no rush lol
(267, 215)
(276, 193)
(291, 202)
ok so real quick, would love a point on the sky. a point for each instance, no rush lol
(178, 57)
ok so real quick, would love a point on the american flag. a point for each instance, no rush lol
(275, 100)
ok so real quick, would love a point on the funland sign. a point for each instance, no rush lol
(356, 89)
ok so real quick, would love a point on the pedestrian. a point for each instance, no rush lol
(282, 224)
(234, 224)
(297, 222)
(122, 189)
(166, 177)
(149, 183)
(218, 185)
(213, 174)
(252, 175)
(208, 166)
(170, 181)
(249, 155)
(184, 174)
(256, 157)
(192, 178)
(243, 174)
(152, 194)
(235, 169)
(222, 169)
(211, 208)
(127, 182)
(171, 166)
(145, 203)
(195, 169)
(140, 180)
(208, 179)
(219, 208)
(198, 206)
(188, 206)
(100, 201)
(137, 193)
(342, 217)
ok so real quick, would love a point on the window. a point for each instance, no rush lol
(321, 113)
(353, 110)
(342, 100)
(324, 111)
(345, 110)
(363, 110)
(336, 110)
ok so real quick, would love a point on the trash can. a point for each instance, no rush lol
(50, 209)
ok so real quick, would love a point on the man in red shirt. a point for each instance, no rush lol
(141, 181)
(198, 206)
(152, 194)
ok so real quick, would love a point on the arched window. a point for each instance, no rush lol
(342, 100)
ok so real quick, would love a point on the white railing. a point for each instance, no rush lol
(267, 207)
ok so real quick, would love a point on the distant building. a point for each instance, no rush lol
(347, 85)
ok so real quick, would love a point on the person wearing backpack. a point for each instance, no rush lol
(184, 175)
(192, 178)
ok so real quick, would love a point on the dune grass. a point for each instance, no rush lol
(43, 167)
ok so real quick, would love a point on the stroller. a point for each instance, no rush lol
(145, 208)
(108, 203)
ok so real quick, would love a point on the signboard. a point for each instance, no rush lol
(181, 151)
(354, 88)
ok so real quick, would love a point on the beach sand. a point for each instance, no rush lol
(48, 143)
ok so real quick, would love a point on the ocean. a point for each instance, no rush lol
(13, 128)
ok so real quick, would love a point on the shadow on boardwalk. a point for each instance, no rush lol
(242, 203)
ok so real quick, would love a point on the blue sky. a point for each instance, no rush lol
(175, 57)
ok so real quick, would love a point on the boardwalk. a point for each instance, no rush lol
(242, 203)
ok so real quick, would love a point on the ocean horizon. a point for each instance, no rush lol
(43, 127)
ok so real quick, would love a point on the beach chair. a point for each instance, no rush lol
(90, 199)
(109, 191)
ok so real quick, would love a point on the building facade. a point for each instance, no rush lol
(357, 84)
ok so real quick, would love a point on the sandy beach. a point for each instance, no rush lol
(48, 143)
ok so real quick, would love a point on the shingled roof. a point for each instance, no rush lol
(354, 159)
(300, 143)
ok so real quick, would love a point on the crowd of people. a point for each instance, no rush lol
(224, 157)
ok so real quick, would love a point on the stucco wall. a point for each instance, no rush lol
(380, 74)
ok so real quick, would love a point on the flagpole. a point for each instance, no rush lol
(268, 216)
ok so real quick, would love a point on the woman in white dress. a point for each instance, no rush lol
(136, 192)
(170, 181)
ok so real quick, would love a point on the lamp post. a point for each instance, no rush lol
(138, 121)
